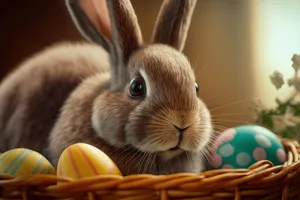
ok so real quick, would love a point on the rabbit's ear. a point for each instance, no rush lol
(126, 33)
(92, 23)
(173, 22)
(118, 30)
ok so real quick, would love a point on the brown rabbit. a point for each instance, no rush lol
(137, 103)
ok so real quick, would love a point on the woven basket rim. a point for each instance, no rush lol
(263, 177)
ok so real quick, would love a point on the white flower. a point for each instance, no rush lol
(281, 122)
(294, 82)
(277, 79)
(296, 61)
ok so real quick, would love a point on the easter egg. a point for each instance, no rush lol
(23, 161)
(242, 146)
(84, 160)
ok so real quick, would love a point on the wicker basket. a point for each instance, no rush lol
(261, 181)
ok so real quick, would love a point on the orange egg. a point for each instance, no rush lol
(84, 160)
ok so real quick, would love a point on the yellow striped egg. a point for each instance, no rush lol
(83, 160)
(23, 161)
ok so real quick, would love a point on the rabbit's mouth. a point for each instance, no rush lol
(174, 148)
(171, 153)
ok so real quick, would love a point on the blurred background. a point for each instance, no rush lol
(234, 45)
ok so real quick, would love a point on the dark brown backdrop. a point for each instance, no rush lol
(28, 26)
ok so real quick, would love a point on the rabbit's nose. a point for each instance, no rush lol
(179, 133)
(181, 130)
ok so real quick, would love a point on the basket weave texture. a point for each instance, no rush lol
(261, 181)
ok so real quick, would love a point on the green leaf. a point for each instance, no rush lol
(296, 109)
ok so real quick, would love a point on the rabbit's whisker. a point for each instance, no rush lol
(128, 163)
(141, 163)
(225, 120)
(230, 114)
(133, 150)
(232, 103)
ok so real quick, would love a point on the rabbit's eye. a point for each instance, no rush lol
(137, 87)
(197, 88)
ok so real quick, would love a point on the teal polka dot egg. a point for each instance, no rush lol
(242, 146)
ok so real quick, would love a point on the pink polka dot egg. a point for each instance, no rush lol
(242, 146)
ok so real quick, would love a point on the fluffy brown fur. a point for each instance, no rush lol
(73, 93)
(31, 96)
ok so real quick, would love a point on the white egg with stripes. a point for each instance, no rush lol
(23, 161)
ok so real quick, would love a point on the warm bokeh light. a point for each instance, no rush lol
(276, 34)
